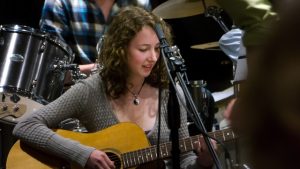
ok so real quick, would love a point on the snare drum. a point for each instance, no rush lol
(31, 63)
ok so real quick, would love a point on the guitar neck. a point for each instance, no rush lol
(135, 158)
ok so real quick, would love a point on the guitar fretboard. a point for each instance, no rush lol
(135, 158)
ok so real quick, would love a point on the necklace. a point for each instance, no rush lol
(136, 100)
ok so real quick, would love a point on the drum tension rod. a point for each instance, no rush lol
(15, 98)
(3, 97)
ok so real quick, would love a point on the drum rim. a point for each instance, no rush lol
(12, 89)
(35, 32)
(22, 29)
(60, 43)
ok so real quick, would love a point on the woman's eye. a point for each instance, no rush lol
(157, 49)
(143, 50)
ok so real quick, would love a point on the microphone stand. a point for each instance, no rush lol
(173, 113)
(176, 67)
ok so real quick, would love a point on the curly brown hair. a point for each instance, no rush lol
(113, 57)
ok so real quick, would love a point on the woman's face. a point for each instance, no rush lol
(143, 53)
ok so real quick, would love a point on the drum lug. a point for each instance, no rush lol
(1, 41)
(42, 47)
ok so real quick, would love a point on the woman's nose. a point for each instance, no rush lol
(154, 55)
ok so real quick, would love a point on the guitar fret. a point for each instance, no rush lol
(227, 136)
(166, 150)
(134, 158)
(184, 146)
(161, 153)
(137, 158)
(146, 155)
(162, 150)
(129, 159)
(223, 135)
(191, 142)
(125, 159)
(142, 155)
(132, 161)
(155, 153)
(151, 156)
(189, 146)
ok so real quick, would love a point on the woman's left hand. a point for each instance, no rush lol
(204, 156)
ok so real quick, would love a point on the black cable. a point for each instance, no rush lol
(159, 120)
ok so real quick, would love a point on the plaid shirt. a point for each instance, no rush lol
(80, 23)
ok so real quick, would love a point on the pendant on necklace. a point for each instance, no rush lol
(136, 101)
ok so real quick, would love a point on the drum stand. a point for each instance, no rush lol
(239, 72)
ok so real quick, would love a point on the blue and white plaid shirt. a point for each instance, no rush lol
(80, 23)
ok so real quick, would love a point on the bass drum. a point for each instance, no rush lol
(32, 63)
(10, 114)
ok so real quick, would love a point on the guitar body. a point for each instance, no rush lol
(117, 139)
(125, 143)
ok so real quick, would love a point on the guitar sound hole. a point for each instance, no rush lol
(115, 158)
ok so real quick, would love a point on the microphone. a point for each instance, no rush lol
(162, 39)
(159, 32)
(172, 53)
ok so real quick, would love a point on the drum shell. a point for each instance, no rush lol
(19, 51)
(29, 62)
(50, 74)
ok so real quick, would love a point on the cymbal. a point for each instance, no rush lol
(182, 8)
(207, 46)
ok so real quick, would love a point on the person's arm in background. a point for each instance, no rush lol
(55, 20)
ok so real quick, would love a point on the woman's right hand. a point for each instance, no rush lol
(99, 160)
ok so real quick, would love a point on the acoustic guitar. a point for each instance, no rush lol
(125, 143)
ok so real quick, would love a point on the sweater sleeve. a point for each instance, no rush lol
(35, 129)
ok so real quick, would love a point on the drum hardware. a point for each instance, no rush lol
(100, 43)
(215, 12)
(96, 68)
(72, 124)
(75, 71)
(42, 47)
(77, 75)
